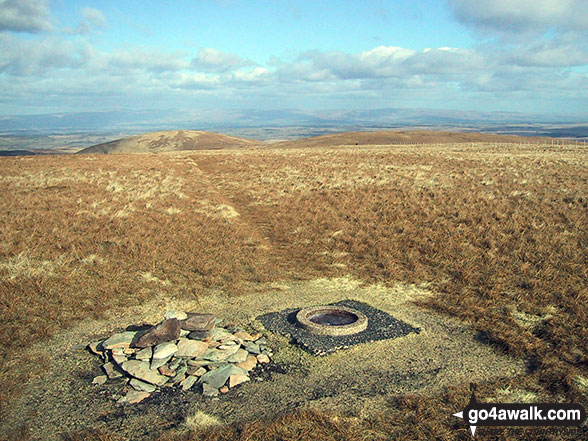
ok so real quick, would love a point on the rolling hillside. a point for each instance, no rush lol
(400, 137)
(170, 141)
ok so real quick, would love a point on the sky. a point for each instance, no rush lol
(472, 55)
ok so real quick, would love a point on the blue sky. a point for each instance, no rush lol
(504, 55)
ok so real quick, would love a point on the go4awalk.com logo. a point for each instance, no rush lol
(478, 414)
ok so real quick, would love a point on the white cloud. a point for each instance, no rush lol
(94, 17)
(39, 58)
(24, 16)
(517, 16)
(212, 60)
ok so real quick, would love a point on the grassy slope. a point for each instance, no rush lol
(171, 140)
(499, 231)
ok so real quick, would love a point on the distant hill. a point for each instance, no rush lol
(170, 141)
(387, 137)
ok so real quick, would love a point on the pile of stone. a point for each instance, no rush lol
(183, 350)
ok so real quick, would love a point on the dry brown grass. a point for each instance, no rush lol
(500, 231)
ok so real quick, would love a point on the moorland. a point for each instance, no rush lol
(482, 243)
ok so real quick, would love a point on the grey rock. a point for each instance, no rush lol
(118, 356)
(144, 354)
(209, 391)
(252, 347)
(218, 377)
(197, 371)
(180, 374)
(111, 371)
(100, 379)
(142, 386)
(165, 331)
(133, 397)
(140, 369)
(219, 334)
(96, 347)
(188, 382)
(190, 348)
(198, 335)
(158, 362)
(164, 350)
(120, 340)
(214, 354)
(175, 363)
(239, 356)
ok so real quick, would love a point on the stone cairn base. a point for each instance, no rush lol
(183, 350)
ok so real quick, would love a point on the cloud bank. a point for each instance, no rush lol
(542, 68)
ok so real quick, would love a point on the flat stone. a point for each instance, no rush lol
(197, 371)
(263, 358)
(156, 363)
(237, 379)
(239, 356)
(180, 374)
(209, 391)
(188, 382)
(165, 331)
(165, 370)
(100, 379)
(199, 322)
(199, 363)
(120, 340)
(218, 377)
(219, 354)
(142, 386)
(184, 333)
(140, 369)
(180, 315)
(198, 335)
(111, 371)
(224, 390)
(144, 354)
(256, 336)
(175, 363)
(219, 334)
(164, 350)
(119, 358)
(248, 364)
(96, 347)
(261, 341)
(252, 347)
(243, 335)
(133, 397)
(190, 348)
(130, 351)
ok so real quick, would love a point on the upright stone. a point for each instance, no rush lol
(165, 331)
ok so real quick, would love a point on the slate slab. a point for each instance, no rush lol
(167, 330)
(199, 322)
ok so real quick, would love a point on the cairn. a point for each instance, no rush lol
(183, 350)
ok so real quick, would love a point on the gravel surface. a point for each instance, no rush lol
(381, 326)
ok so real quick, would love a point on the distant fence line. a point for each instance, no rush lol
(546, 143)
